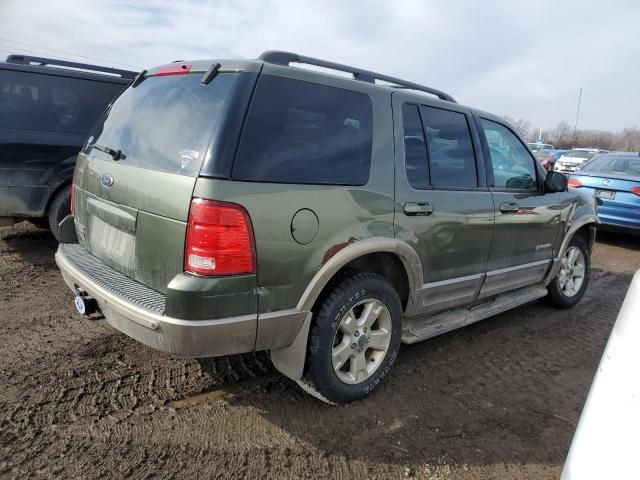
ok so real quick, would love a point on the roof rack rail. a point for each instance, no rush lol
(285, 58)
(29, 60)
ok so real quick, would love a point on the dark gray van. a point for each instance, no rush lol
(47, 109)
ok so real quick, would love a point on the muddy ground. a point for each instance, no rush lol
(499, 399)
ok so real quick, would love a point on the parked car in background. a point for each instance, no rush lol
(614, 179)
(559, 153)
(325, 219)
(47, 108)
(536, 147)
(572, 159)
(605, 444)
(547, 158)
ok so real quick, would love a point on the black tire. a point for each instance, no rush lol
(59, 208)
(557, 297)
(348, 292)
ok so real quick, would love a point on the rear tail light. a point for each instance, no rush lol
(574, 182)
(636, 190)
(219, 239)
(72, 209)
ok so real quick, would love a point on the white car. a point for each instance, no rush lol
(571, 160)
(606, 444)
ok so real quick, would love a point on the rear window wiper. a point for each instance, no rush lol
(115, 154)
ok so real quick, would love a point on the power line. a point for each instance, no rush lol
(66, 53)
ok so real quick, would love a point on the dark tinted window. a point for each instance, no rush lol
(165, 123)
(451, 158)
(300, 132)
(513, 165)
(415, 148)
(31, 101)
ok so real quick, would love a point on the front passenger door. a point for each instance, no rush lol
(526, 218)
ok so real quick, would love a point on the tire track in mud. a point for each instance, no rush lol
(497, 399)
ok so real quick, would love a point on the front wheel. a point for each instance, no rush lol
(570, 283)
(354, 340)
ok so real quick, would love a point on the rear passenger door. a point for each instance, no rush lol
(527, 219)
(443, 207)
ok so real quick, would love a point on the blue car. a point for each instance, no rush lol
(614, 179)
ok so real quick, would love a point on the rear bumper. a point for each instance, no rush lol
(187, 338)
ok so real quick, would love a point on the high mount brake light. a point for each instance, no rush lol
(173, 69)
(574, 182)
(219, 239)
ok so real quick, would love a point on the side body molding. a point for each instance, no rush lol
(403, 250)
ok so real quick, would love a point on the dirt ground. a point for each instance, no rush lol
(499, 399)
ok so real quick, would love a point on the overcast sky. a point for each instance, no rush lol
(517, 58)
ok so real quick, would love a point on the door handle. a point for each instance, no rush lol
(509, 207)
(418, 208)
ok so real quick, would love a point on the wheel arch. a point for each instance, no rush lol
(394, 259)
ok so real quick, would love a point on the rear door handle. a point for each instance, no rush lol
(418, 208)
(509, 207)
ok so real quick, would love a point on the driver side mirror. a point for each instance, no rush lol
(556, 182)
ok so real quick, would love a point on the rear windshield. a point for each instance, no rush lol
(622, 165)
(52, 103)
(165, 123)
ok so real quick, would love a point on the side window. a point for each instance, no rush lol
(513, 165)
(451, 159)
(302, 132)
(30, 101)
(415, 148)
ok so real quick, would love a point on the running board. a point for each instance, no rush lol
(427, 326)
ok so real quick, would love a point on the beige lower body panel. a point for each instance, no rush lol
(187, 338)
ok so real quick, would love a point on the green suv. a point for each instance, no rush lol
(235, 206)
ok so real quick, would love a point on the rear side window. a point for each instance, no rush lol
(301, 132)
(415, 148)
(32, 101)
(451, 159)
(165, 123)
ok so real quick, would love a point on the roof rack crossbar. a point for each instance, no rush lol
(28, 60)
(285, 58)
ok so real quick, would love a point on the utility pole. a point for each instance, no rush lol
(575, 128)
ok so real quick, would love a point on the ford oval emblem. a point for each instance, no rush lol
(106, 180)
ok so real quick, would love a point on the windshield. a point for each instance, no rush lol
(622, 165)
(579, 154)
(165, 123)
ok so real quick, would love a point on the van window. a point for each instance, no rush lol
(415, 148)
(165, 123)
(50, 103)
(301, 132)
(451, 159)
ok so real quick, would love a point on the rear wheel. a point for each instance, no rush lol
(354, 340)
(59, 208)
(569, 285)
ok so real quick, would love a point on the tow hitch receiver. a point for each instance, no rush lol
(85, 304)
